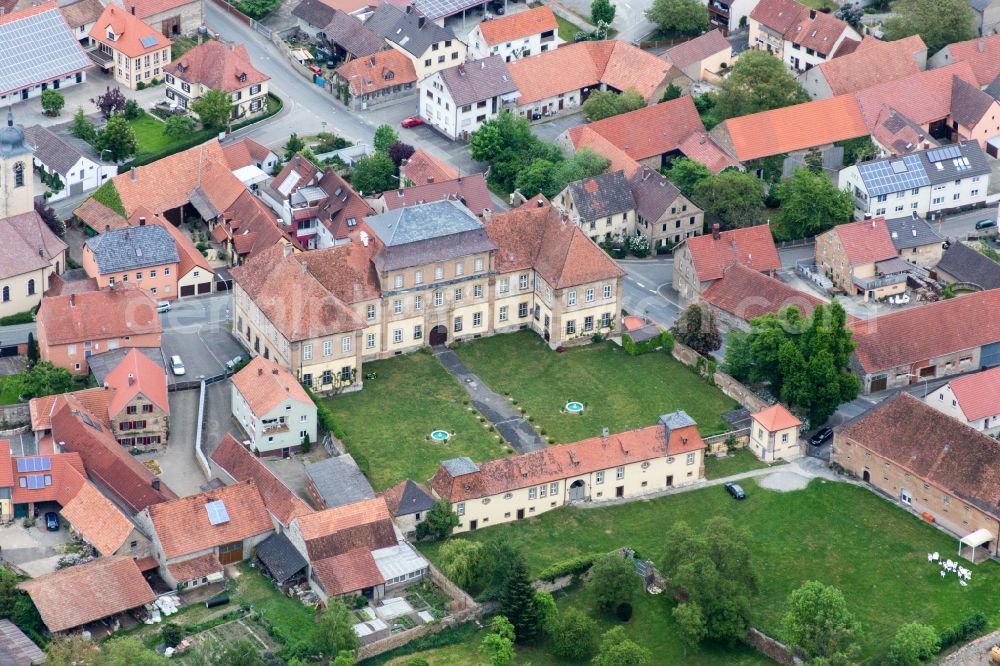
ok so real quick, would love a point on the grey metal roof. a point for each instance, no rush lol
(101, 365)
(133, 247)
(911, 231)
(314, 12)
(280, 557)
(602, 196)
(473, 82)
(51, 150)
(411, 30)
(460, 466)
(38, 47)
(413, 499)
(339, 481)
(350, 34)
(893, 175)
(436, 9)
(993, 90)
(964, 264)
(954, 161)
(423, 222)
(980, 5)
(676, 420)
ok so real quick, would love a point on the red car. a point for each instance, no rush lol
(412, 121)
(315, 70)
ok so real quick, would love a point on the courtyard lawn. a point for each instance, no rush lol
(618, 390)
(736, 462)
(840, 534)
(386, 424)
(10, 389)
(291, 620)
(149, 136)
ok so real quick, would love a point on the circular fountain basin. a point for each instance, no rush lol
(440, 436)
(574, 407)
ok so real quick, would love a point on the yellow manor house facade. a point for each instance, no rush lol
(424, 275)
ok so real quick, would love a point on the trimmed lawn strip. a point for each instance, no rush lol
(386, 424)
(836, 533)
(618, 390)
(567, 29)
(736, 462)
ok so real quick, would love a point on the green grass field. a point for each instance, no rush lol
(290, 619)
(737, 462)
(10, 389)
(618, 390)
(839, 534)
(149, 136)
(387, 423)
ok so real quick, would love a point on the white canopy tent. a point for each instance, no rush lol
(974, 540)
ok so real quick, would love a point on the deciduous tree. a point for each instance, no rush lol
(385, 137)
(213, 108)
(757, 82)
(735, 197)
(602, 11)
(52, 102)
(440, 520)
(178, 126)
(687, 17)
(535, 178)
(685, 174)
(111, 102)
(810, 204)
(116, 137)
(51, 219)
(129, 651)
(572, 635)
(400, 151)
(924, 18)
(606, 103)
(498, 644)
(374, 174)
(293, 145)
(336, 629)
(691, 624)
(46, 379)
(696, 328)
(464, 563)
(613, 581)
(914, 644)
(582, 164)
(618, 650)
(81, 127)
(818, 624)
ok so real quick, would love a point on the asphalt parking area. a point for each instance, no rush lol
(35, 550)
(203, 348)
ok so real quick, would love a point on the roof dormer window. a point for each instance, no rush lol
(111, 35)
(243, 77)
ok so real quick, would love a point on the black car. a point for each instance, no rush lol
(985, 224)
(52, 521)
(821, 435)
(736, 491)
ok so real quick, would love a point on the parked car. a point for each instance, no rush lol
(177, 365)
(736, 491)
(51, 521)
(821, 436)
(315, 69)
(412, 121)
(985, 224)
(163, 306)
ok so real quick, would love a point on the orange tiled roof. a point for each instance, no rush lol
(195, 568)
(264, 385)
(873, 62)
(88, 592)
(242, 465)
(978, 394)
(779, 15)
(182, 526)
(702, 148)
(6, 469)
(865, 241)
(146, 8)
(775, 418)
(244, 153)
(982, 53)
(132, 37)
(753, 246)
(923, 98)
(99, 217)
(748, 294)
(585, 137)
(98, 315)
(518, 25)
(95, 400)
(649, 131)
(366, 524)
(422, 167)
(818, 31)
(136, 374)
(97, 520)
(68, 476)
(559, 462)
(369, 74)
(217, 65)
(348, 572)
(795, 127)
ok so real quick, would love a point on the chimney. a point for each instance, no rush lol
(131, 174)
(156, 483)
(131, 379)
(981, 44)
(274, 371)
(107, 227)
(72, 300)
(430, 179)
(604, 432)
(41, 252)
(539, 203)
(812, 14)
(420, 23)
(372, 60)
(133, 9)
(487, 214)
(142, 221)
(286, 250)
(298, 161)
(260, 372)
(409, 9)
(715, 232)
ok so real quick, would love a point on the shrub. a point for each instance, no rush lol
(572, 566)
(632, 348)
(141, 85)
(172, 634)
(968, 628)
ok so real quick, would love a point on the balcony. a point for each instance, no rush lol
(879, 281)
(719, 8)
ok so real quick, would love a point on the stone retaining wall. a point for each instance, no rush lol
(15, 415)
(771, 648)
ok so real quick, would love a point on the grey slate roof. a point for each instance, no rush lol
(966, 265)
(954, 161)
(280, 557)
(413, 500)
(314, 12)
(907, 232)
(51, 150)
(16, 649)
(410, 30)
(133, 247)
(676, 421)
(652, 193)
(339, 481)
(460, 466)
(411, 236)
(602, 196)
(980, 5)
(968, 103)
(478, 81)
(993, 90)
(101, 365)
(350, 34)
(38, 47)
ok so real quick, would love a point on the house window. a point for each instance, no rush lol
(477, 319)
(327, 348)
(458, 294)
(326, 380)
(152, 273)
(571, 327)
(307, 352)
(571, 298)
(503, 313)
(458, 324)
(599, 477)
(477, 291)
(522, 281)
(504, 286)
(543, 490)
(690, 459)
(459, 269)
(418, 332)
(254, 89)
(345, 373)
(589, 297)
(370, 341)
(438, 273)
(399, 282)
(397, 335)
(553, 488)
(307, 379)
(371, 312)
(460, 508)
(620, 473)
(479, 265)
(418, 302)
(397, 306)
(607, 291)
(588, 323)
(345, 344)
(532, 493)
(438, 297)
(522, 310)
(418, 277)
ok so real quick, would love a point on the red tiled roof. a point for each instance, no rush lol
(650, 131)
(195, 568)
(99, 217)
(6, 469)
(369, 74)
(775, 418)
(264, 385)
(695, 50)
(982, 53)
(347, 271)
(95, 400)
(978, 394)
(217, 65)
(98, 315)
(518, 25)
(753, 246)
(97, 520)
(136, 374)
(348, 572)
(470, 189)
(242, 465)
(818, 31)
(791, 128)
(872, 63)
(68, 476)
(182, 526)
(748, 294)
(865, 241)
(28, 245)
(422, 167)
(584, 137)
(132, 37)
(917, 334)
(366, 524)
(923, 98)
(252, 226)
(565, 460)
(245, 152)
(147, 8)
(933, 447)
(535, 236)
(88, 592)
(702, 148)
(779, 15)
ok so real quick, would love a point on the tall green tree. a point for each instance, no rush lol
(685, 174)
(735, 197)
(336, 629)
(613, 581)
(373, 174)
(44, 378)
(385, 137)
(464, 563)
(923, 17)
(914, 644)
(713, 569)
(17, 606)
(214, 109)
(498, 643)
(81, 127)
(687, 17)
(691, 624)
(508, 144)
(52, 102)
(439, 523)
(33, 355)
(582, 164)
(293, 145)
(606, 103)
(116, 137)
(818, 625)
(617, 649)
(602, 11)
(518, 603)
(696, 328)
(535, 178)
(572, 635)
(757, 82)
(810, 204)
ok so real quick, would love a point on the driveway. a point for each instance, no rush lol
(34, 549)
(204, 349)
(549, 130)
(219, 417)
(178, 468)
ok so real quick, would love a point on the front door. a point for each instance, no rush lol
(473, 524)
(438, 336)
(670, 480)
(577, 490)
(620, 491)
(231, 553)
(866, 476)
(520, 514)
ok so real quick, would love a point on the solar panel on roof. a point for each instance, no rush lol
(37, 482)
(883, 177)
(34, 464)
(898, 166)
(940, 154)
(148, 41)
(217, 514)
(38, 48)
